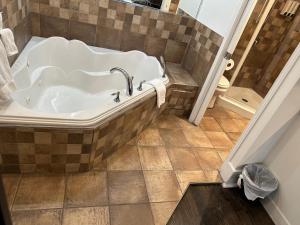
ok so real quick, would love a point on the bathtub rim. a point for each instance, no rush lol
(56, 120)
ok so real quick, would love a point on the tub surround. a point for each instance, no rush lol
(28, 149)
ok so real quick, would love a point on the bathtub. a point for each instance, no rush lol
(69, 84)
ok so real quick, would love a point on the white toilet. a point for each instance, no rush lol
(222, 87)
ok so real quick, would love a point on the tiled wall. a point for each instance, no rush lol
(15, 17)
(113, 24)
(201, 52)
(277, 40)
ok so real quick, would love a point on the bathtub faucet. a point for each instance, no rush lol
(128, 78)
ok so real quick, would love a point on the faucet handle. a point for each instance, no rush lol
(117, 99)
(140, 88)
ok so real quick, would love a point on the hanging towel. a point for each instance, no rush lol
(7, 85)
(7, 38)
(160, 90)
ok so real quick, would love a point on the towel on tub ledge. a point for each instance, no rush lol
(8, 40)
(160, 88)
(7, 84)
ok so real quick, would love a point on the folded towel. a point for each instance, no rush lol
(7, 38)
(7, 85)
(160, 90)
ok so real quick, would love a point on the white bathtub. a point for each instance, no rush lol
(67, 83)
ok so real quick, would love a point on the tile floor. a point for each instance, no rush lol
(143, 181)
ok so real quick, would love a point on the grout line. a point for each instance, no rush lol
(16, 192)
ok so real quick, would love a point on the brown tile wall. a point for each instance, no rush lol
(15, 17)
(277, 40)
(97, 21)
(28, 150)
(201, 52)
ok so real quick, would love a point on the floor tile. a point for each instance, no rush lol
(184, 123)
(150, 137)
(219, 139)
(86, 216)
(34, 217)
(210, 124)
(10, 182)
(186, 177)
(127, 187)
(229, 125)
(242, 123)
(234, 136)
(223, 155)
(162, 186)
(212, 175)
(197, 138)
(154, 158)
(167, 121)
(219, 112)
(135, 214)
(40, 192)
(162, 211)
(208, 160)
(173, 137)
(183, 158)
(86, 189)
(126, 158)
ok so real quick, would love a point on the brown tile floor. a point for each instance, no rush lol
(143, 181)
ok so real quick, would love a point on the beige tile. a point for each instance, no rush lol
(208, 160)
(167, 121)
(184, 123)
(10, 182)
(135, 214)
(197, 138)
(40, 192)
(219, 112)
(126, 158)
(212, 176)
(219, 139)
(229, 125)
(173, 137)
(186, 177)
(34, 217)
(86, 216)
(223, 155)
(241, 123)
(183, 159)
(234, 136)
(162, 211)
(154, 158)
(150, 137)
(232, 114)
(127, 187)
(86, 189)
(162, 186)
(210, 124)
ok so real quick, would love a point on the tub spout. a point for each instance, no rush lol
(128, 78)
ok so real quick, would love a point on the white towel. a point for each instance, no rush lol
(160, 88)
(7, 85)
(8, 40)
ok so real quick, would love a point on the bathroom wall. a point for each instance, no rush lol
(201, 52)
(284, 162)
(277, 40)
(246, 36)
(115, 25)
(15, 16)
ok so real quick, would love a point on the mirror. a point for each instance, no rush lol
(165, 5)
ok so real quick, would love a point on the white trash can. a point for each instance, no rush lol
(258, 181)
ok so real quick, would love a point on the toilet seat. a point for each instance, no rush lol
(223, 83)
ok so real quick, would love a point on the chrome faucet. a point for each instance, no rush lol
(128, 78)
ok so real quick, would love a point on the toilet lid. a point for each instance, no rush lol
(223, 83)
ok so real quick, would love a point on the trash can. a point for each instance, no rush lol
(258, 181)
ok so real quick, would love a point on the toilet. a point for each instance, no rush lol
(222, 87)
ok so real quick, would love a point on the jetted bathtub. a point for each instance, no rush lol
(61, 82)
